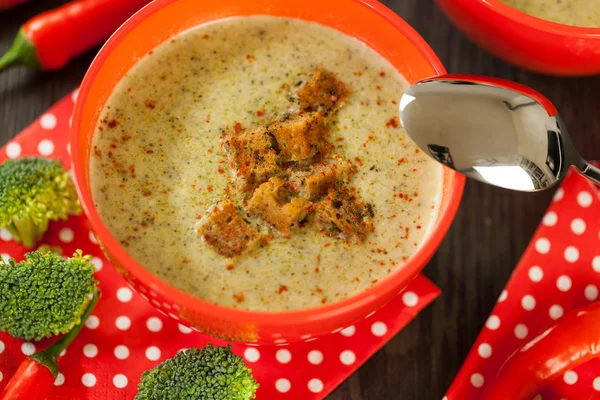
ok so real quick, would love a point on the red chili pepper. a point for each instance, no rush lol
(49, 40)
(574, 340)
(35, 376)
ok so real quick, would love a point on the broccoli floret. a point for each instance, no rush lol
(34, 191)
(212, 373)
(45, 294)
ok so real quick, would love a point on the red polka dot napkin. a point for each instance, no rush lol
(559, 272)
(127, 335)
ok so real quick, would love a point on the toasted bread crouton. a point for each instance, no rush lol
(253, 156)
(226, 231)
(315, 182)
(346, 213)
(300, 136)
(322, 93)
(272, 203)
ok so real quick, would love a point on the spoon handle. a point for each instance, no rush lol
(591, 172)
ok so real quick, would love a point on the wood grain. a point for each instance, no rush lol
(490, 232)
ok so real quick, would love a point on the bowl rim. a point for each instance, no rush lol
(276, 318)
(540, 24)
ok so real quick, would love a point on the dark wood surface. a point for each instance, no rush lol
(490, 232)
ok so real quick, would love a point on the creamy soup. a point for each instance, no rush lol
(569, 12)
(162, 171)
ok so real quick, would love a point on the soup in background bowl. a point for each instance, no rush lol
(150, 134)
(533, 43)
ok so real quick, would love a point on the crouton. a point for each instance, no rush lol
(315, 182)
(322, 93)
(253, 156)
(345, 213)
(227, 232)
(300, 136)
(272, 202)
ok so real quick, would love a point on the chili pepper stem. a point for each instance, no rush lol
(49, 357)
(22, 52)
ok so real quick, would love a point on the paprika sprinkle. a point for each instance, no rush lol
(36, 375)
(49, 40)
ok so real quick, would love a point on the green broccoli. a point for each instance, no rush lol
(45, 294)
(212, 373)
(34, 191)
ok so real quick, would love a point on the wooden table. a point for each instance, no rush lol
(490, 232)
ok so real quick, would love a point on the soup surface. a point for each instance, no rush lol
(568, 12)
(160, 163)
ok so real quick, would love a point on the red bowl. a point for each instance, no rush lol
(528, 42)
(367, 20)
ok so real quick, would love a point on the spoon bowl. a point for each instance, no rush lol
(495, 131)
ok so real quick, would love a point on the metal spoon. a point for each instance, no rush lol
(492, 130)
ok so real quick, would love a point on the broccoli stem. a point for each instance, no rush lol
(26, 231)
(49, 357)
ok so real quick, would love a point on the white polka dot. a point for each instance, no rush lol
(251, 354)
(536, 274)
(538, 397)
(304, 337)
(596, 263)
(28, 348)
(92, 237)
(503, 296)
(90, 350)
(121, 352)
(124, 294)
(66, 235)
(175, 317)
(591, 292)
(152, 353)
(13, 150)
(563, 283)
(120, 381)
(154, 324)
(312, 339)
(46, 147)
(283, 356)
(542, 245)
(477, 380)
(347, 357)
(349, 331)
(92, 322)
(88, 379)
(493, 322)
(550, 219)
(528, 302)
(62, 353)
(445, 398)
(571, 254)
(69, 148)
(5, 234)
(60, 379)
(48, 121)
(584, 199)
(410, 299)
(484, 350)
(123, 322)
(74, 95)
(560, 193)
(555, 312)
(596, 384)
(283, 385)
(315, 357)
(578, 226)
(184, 329)
(315, 385)
(97, 262)
(2, 347)
(5, 257)
(521, 331)
(570, 377)
(378, 329)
